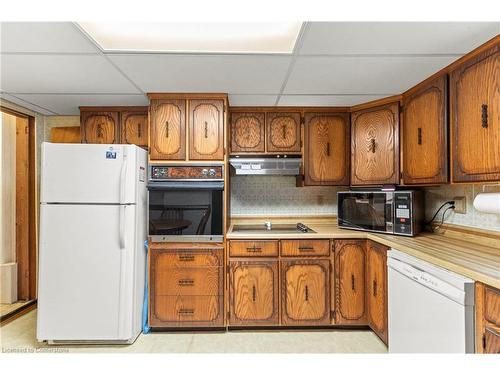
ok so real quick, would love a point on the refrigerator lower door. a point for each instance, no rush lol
(86, 273)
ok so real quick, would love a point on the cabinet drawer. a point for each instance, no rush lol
(305, 247)
(253, 248)
(187, 311)
(186, 258)
(200, 281)
(492, 305)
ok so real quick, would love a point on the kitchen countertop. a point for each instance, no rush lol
(474, 260)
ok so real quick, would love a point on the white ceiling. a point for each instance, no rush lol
(53, 68)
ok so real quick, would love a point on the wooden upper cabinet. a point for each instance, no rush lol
(350, 260)
(254, 292)
(167, 129)
(248, 132)
(475, 118)
(375, 145)
(376, 288)
(134, 127)
(283, 132)
(206, 129)
(99, 127)
(327, 149)
(305, 292)
(424, 134)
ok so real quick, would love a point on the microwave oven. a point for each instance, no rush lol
(392, 212)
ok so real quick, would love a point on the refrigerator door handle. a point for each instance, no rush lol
(121, 224)
(123, 176)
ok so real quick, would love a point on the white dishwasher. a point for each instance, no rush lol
(430, 309)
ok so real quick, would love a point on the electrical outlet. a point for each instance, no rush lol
(460, 205)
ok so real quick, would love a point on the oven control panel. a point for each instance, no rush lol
(163, 172)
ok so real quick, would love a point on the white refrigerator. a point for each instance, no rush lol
(92, 261)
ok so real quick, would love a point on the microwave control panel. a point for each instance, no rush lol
(402, 213)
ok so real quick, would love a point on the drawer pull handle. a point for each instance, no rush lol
(186, 282)
(484, 116)
(374, 288)
(306, 293)
(306, 248)
(353, 287)
(254, 249)
(186, 258)
(254, 294)
(186, 311)
(419, 136)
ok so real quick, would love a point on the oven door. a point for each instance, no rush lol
(186, 211)
(370, 211)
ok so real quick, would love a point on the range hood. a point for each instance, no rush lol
(266, 166)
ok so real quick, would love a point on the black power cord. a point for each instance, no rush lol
(452, 207)
(439, 209)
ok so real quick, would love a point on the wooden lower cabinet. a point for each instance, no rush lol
(305, 292)
(376, 288)
(186, 287)
(350, 265)
(253, 292)
(487, 319)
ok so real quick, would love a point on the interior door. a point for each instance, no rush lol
(86, 253)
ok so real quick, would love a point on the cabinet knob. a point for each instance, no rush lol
(327, 148)
(166, 129)
(419, 136)
(353, 286)
(374, 288)
(254, 293)
(139, 130)
(206, 129)
(373, 145)
(99, 131)
(284, 131)
(306, 293)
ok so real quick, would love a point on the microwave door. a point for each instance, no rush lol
(366, 211)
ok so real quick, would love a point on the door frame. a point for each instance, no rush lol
(27, 260)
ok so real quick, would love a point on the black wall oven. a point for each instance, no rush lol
(186, 203)
(394, 212)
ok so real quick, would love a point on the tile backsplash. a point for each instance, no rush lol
(436, 196)
(278, 196)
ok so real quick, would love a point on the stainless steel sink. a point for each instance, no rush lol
(273, 228)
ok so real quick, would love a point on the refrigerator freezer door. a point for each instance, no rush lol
(89, 173)
(86, 279)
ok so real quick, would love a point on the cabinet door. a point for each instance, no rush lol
(492, 341)
(253, 295)
(425, 146)
(167, 129)
(283, 132)
(247, 132)
(206, 129)
(375, 146)
(99, 127)
(350, 282)
(474, 115)
(376, 288)
(134, 127)
(327, 149)
(305, 292)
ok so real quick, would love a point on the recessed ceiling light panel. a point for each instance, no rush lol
(276, 37)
